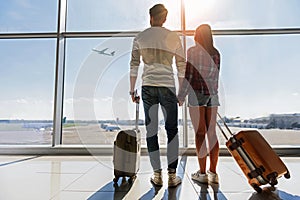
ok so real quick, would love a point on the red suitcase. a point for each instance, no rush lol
(256, 158)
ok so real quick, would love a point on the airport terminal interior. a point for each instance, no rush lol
(64, 83)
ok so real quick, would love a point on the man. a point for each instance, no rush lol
(158, 46)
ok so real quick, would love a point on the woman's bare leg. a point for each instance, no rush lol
(211, 120)
(197, 115)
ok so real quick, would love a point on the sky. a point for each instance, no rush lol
(259, 74)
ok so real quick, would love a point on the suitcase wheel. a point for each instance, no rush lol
(131, 179)
(256, 188)
(287, 175)
(273, 181)
(123, 179)
(116, 179)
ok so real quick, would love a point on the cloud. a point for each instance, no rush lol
(15, 15)
(14, 101)
(24, 4)
(90, 100)
(23, 101)
(107, 99)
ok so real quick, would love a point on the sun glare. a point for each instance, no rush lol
(199, 11)
(199, 4)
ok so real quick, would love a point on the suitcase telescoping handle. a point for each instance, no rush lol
(221, 129)
(137, 110)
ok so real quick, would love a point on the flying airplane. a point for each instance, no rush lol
(104, 53)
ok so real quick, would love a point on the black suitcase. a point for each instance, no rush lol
(256, 158)
(127, 151)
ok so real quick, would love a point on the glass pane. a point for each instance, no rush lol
(26, 86)
(96, 90)
(122, 15)
(97, 104)
(232, 14)
(259, 85)
(28, 16)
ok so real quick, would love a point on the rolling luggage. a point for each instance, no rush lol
(127, 150)
(256, 158)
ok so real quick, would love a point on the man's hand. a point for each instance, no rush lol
(135, 98)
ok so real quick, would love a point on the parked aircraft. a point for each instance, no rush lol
(41, 125)
(112, 128)
(109, 127)
(103, 52)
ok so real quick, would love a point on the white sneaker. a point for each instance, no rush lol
(173, 180)
(156, 179)
(202, 178)
(212, 177)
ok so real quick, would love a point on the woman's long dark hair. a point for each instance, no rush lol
(203, 36)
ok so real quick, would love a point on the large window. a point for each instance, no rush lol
(89, 58)
(97, 103)
(232, 14)
(122, 15)
(26, 86)
(28, 16)
(259, 85)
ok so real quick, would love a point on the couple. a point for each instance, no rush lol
(198, 78)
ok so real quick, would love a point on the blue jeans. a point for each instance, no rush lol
(166, 97)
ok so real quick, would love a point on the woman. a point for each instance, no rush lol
(201, 85)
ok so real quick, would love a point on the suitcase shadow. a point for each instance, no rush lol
(271, 193)
(112, 190)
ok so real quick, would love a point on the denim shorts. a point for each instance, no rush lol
(196, 98)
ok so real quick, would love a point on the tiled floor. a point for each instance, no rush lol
(90, 177)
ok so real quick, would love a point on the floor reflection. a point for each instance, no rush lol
(172, 193)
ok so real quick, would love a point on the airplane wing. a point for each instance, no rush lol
(100, 51)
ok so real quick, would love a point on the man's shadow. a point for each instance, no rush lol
(171, 193)
(111, 190)
(271, 193)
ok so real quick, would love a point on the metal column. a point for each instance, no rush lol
(59, 73)
(184, 107)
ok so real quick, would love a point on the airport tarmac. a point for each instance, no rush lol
(93, 134)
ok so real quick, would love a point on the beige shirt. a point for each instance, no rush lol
(157, 46)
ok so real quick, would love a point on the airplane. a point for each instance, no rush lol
(112, 128)
(104, 53)
(39, 126)
(107, 127)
